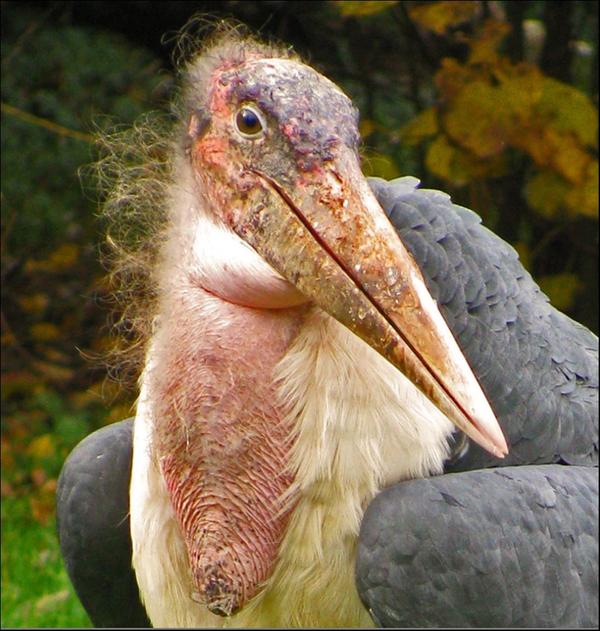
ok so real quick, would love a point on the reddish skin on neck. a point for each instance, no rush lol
(223, 440)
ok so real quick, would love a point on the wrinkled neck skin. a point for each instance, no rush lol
(220, 433)
(263, 430)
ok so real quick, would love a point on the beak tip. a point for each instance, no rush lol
(502, 454)
(500, 447)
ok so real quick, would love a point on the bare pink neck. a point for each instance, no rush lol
(222, 438)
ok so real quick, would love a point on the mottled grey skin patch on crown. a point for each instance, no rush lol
(311, 112)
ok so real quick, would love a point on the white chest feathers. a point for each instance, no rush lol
(360, 426)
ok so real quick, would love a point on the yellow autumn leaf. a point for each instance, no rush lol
(6, 488)
(545, 192)
(582, 199)
(438, 159)
(54, 355)
(478, 121)
(529, 140)
(41, 447)
(44, 332)
(35, 303)
(484, 45)
(360, 8)
(520, 88)
(486, 117)
(38, 476)
(32, 266)
(16, 382)
(42, 508)
(569, 110)
(7, 337)
(452, 77)
(366, 127)
(440, 16)
(422, 126)
(561, 289)
(457, 167)
(49, 486)
(569, 158)
(83, 398)
(64, 257)
(53, 372)
(379, 165)
(104, 391)
(551, 149)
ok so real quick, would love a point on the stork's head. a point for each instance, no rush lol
(274, 146)
(268, 122)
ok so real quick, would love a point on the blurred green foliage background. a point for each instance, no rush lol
(494, 102)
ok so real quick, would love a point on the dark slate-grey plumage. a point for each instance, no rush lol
(538, 368)
(514, 546)
(506, 547)
(92, 512)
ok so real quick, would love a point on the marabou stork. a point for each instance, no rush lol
(299, 364)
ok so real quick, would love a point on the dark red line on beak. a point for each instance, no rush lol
(287, 199)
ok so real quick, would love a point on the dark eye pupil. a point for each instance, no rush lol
(248, 122)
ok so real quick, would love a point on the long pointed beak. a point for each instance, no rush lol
(329, 237)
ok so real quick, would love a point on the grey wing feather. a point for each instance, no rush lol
(538, 367)
(508, 547)
(92, 510)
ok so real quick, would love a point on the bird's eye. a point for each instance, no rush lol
(250, 122)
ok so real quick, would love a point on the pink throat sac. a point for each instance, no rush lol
(223, 440)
